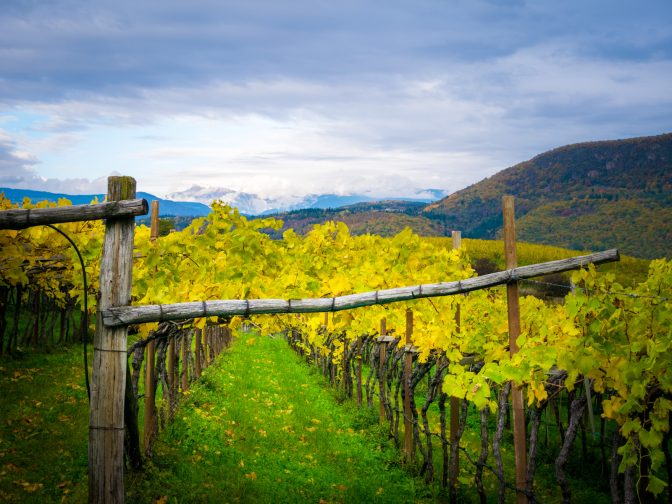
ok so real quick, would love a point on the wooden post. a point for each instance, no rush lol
(346, 371)
(185, 362)
(150, 405)
(150, 378)
(519, 436)
(154, 221)
(408, 367)
(108, 380)
(382, 347)
(217, 335)
(206, 347)
(454, 401)
(198, 352)
(358, 371)
(170, 364)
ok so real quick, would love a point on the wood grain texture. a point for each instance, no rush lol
(108, 378)
(382, 340)
(409, 447)
(154, 221)
(150, 395)
(21, 219)
(513, 306)
(125, 315)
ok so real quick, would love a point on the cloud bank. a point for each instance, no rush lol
(306, 97)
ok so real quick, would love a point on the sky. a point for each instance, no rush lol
(286, 98)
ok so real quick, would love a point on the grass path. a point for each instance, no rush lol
(262, 427)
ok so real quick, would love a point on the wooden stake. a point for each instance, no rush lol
(358, 371)
(184, 375)
(408, 367)
(346, 371)
(206, 348)
(519, 436)
(198, 351)
(150, 379)
(454, 401)
(154, 221)
(150, 405)
(108, 380)
(170, 363)
(382, 347)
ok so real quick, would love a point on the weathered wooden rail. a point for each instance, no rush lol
(126, 315)
(21, 219)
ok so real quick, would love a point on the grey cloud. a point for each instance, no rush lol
(64, 49)
(17, 171)
(498, 80)
(14, 167)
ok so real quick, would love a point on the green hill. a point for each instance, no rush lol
(584, 196)
(384, 218)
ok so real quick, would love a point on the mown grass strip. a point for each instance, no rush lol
(262, 427)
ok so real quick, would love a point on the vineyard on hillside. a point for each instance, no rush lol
(599, 364)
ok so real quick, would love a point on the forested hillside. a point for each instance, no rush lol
(383, 218)
(585, 196)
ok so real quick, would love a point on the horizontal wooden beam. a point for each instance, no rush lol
(21, 219)
(125, 315)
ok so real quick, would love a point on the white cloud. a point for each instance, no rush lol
(302, 97)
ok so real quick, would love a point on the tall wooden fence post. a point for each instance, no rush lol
(454, 401)
(108, 380)
(408, 367)
(150, 378)
(519, 436)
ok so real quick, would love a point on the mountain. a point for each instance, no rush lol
(592, 195)
(595, 195)
(253, 204)
(384, 218)
(166, 207)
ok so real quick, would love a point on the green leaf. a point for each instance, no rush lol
(656, 485)
(651, 438)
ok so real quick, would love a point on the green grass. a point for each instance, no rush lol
(44, 418)
(262, 427)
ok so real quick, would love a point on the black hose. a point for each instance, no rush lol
(85, 325)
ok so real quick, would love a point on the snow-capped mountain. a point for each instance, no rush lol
(253, 204)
